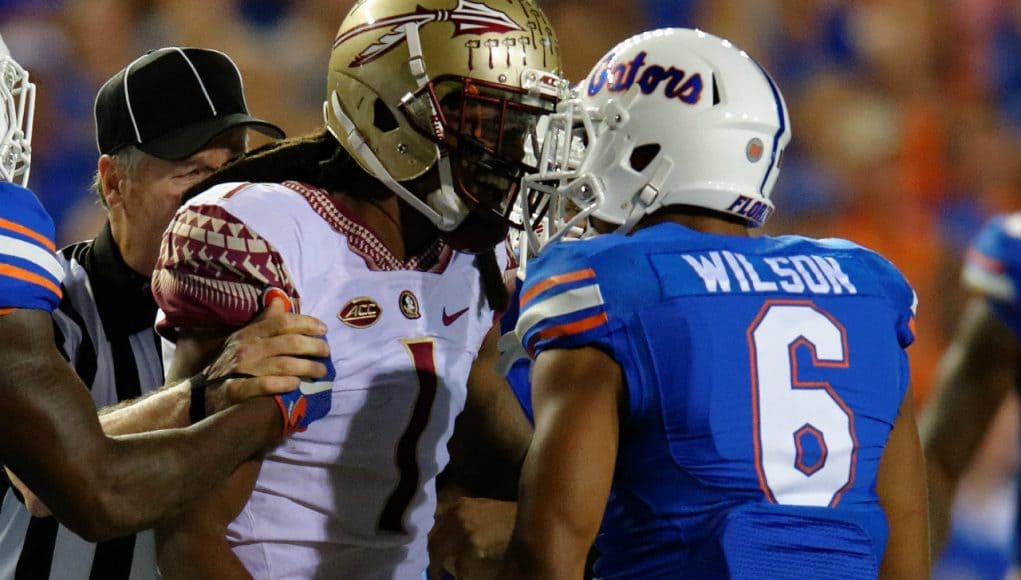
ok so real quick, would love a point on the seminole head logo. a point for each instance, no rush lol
(468, 18)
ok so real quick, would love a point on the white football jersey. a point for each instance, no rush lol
(354, 495)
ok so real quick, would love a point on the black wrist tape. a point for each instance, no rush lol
(199, 384)
(197, 409)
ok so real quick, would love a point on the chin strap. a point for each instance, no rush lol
(361, 149)
(445, 200)
(416, 62)
(647, 199)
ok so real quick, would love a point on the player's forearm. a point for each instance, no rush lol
(189, 554)
(544, 558)
(941, 493)
(948, 440)
(901, 486)
(167, 408)
(555, 524)
(154, 474)
(907, 510)
(907, 550)
(973, 379)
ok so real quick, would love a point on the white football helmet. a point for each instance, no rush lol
(668, 117)
(16, 114)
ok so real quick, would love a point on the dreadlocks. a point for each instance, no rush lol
(316, 159)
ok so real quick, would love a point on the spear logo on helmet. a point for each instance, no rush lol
(468, 18)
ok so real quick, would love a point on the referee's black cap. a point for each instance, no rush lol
(173, 101)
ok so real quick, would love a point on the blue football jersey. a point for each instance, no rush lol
(764, 376)
(30, 274)
(992, 267)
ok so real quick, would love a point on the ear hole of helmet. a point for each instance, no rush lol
(383, 118)
(643, 155)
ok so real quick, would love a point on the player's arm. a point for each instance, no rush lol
(492, 434)
(193, 544)
(974, 376)
(273, 351)
(565, 483)
(901, 488)
(269, 350)
(490, 439)
(102, 487)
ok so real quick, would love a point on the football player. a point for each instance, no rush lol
(978, 370)
(384, 224)
(50, 435)
(710, 403)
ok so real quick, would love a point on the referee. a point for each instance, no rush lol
(165, 122)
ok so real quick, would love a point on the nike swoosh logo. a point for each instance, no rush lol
(449, 319)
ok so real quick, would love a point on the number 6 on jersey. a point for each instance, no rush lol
(790, 414)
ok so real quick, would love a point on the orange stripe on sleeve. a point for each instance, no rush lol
(45, 241)
(576, 327)
(555, 281)
(6, 311)
(26, 276)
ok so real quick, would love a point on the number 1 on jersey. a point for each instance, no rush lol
(790, 414)
(424, 361)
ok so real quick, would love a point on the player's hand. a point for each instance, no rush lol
(274, 350)
(470, 536)
(313, 397)
(309, 402)
(35, 505)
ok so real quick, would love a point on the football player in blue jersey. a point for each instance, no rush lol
(978, 369)
(708, 403)
(50, 435)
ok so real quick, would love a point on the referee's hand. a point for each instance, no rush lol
(275, 351)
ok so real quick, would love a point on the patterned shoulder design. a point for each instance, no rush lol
(992, 266)
(214, 264)
(30, 274)
(561, 304)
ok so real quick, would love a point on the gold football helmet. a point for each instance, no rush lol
(455, 85)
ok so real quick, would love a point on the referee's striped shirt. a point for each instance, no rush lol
(105, 328)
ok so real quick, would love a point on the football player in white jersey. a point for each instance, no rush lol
(386, 224)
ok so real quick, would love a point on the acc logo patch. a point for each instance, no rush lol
(409, 305)
(361, 312)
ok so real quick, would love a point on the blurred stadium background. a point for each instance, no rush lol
(906, 117)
